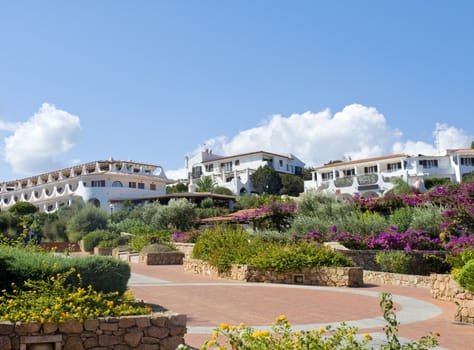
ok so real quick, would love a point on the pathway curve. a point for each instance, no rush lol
(208, 302)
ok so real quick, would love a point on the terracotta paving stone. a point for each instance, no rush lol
(210, 301)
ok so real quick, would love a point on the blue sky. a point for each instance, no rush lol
(153, 81)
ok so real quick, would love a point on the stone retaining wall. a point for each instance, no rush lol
(168, 258)
(186, 248)
(366, 260)
(323, 276)
(396, 279)
(164, 331)
(444, 287)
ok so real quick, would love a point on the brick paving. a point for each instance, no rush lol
(207, 302)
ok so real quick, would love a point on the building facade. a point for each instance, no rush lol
(233, 172)
(372, 177)
(103, 183)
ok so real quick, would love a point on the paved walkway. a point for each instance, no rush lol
(208, 302)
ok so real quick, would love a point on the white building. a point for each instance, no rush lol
(371, 177)
(100, 183)
(233, 172)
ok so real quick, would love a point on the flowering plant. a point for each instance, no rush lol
(282, 337)
(53, 300)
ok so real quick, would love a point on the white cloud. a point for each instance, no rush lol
(356, 132)
(178, 174)
(5, 126)
(36, 143)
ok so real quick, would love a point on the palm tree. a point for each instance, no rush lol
(205, 184)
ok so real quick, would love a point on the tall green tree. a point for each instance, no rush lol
(291, 185)
(266, 179)
(205, 184)
(87, 219)
(178, 188)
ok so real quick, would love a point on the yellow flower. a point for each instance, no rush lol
(224, 326)
(232, 328)
(241, 325)
(210, 343)
(260, 334)
(281, 318)
(214, 335)
(349, 334)
(321, 330)
(368, 336)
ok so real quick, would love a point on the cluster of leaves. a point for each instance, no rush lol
(105, 274)
(223, 246)
(55, 300)
(296, 256)
(282, 336)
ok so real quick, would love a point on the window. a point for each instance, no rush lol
(467, 161)
(117, 184)
(132, 184)
(370, 169)
(349, 172)
(237, 162)
(394, 166)
(197, 172)
(152, 187)
(280, 163)
(327, 176)
(298, 170)
(429, 163)
(227, 166)
(209, 168)
(141, 185)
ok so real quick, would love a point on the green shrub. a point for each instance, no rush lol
(393, 261)
(94, 238)
(178, 214)
(104, 274)
(465, 277)
(296, 256)
(435, 264)
(401, 218)
(427, 218)
(223, 246)
(305, 223)
(87, 219)
(272, 236)
(140, 240)
(158, 248)
(458, 260)
(223, 190)
(247, 202)
(54, 300)
(207, 203)
(436, 182)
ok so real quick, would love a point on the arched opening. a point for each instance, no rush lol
(95, 202)
(243, 191)
(117, 184)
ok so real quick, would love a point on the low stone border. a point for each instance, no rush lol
(443, 287)
(397, 279)
(186, 248)
(322, 276)
(168, 258)
(164, 331)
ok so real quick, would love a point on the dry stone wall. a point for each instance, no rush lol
(397, 279)
(444, 287)
(322, 276)
(164, 331)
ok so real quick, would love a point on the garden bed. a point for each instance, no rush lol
(164, 331)
(321, 276)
